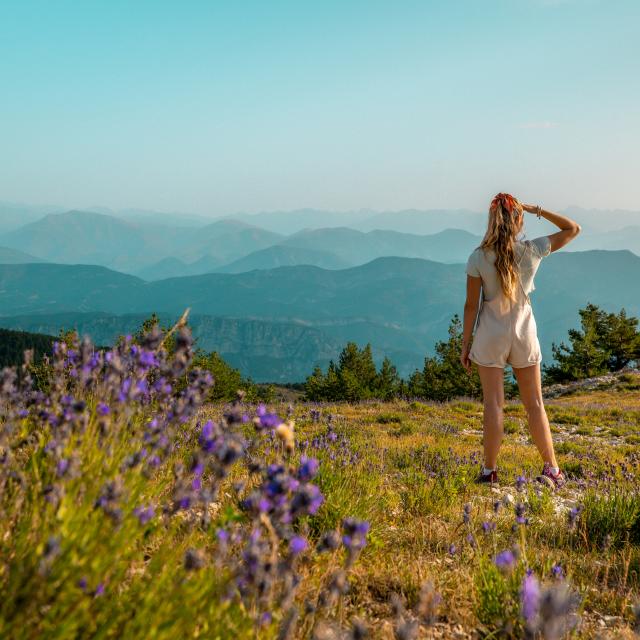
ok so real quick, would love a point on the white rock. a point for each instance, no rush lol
(612, 621)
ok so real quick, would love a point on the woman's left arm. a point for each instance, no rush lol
(471, 305)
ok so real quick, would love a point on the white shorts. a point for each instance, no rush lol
(506, 333)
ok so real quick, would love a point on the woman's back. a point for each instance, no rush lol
(529, 253)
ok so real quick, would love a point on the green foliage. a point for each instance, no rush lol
(611, 519)
(354, 378)
(422, 495)
(389, 418)
(227, 380)
(606, 342)
(13, 344)
(511, 426)
(492, 594)
(498, 595)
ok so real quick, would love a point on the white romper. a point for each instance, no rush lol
(505, 330)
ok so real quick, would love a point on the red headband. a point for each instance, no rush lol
(506, 201)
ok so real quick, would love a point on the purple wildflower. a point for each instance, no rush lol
(466, 513)
(308, 468)
(297, 545)
(144, 514)
(521, 482)
(530, 598)
(103, 409)
(62, 467)
(505, 560)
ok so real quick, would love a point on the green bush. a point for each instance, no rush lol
(511, 426)
(389, 418)
(405, 429)
(613, 517)
(492, 604)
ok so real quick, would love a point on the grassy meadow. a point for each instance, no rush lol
(210, 525)
(408, 467)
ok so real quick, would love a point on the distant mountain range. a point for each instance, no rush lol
(157, 246)
(79, 237)
(14, 216)
(401, 305)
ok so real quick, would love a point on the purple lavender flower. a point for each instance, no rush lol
(103, 409)
(488, 527)
(572, 516)
(62, 467)
(308, 468)
(354, 533)
(505, 560)
(557, 572)
(530, 598)
(297, 545)
(520, 511)
(466, 513)
(265, 619)
(222, 535)
(521, 482)
(144, 514)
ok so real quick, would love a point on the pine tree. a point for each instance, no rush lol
(605, 342)
(315, 385)
(388, 381)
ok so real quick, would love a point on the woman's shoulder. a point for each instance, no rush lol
(540, 246)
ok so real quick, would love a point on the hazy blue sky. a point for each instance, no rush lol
(218, 107)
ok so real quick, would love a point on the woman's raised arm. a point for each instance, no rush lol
(569, 229)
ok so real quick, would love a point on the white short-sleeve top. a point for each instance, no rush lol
(529, 254)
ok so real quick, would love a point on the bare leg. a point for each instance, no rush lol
(531, 394)
(492, 379)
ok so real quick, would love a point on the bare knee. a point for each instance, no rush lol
(493, 406)
(534, 406)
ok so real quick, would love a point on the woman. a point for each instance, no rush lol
(503, 267)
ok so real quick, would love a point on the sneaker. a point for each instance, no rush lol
(553, 481)
(487, 478)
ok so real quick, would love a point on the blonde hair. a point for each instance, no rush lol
(504, 224)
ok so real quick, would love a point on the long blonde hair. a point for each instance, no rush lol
(504, 224)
